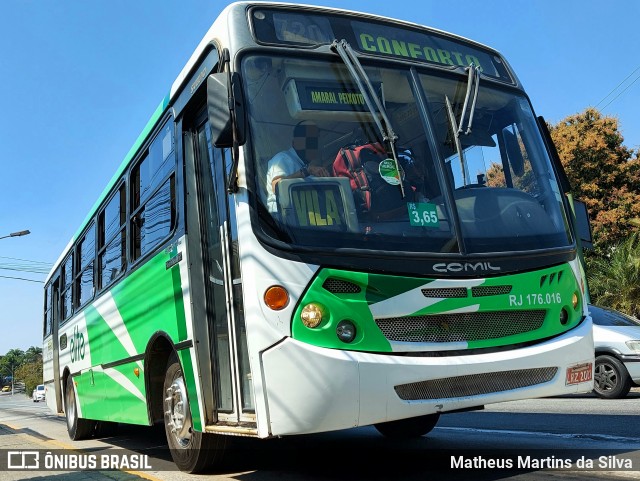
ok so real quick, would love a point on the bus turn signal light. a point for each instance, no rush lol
(276, 297)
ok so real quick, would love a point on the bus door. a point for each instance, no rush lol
(51, 352)
(231, 373)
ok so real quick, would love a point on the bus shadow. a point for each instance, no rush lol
(362, 454)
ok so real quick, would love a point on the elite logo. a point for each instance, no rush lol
(76, 345)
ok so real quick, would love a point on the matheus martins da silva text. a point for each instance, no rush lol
(548, 462)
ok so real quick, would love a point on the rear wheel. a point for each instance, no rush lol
(408, 428)
(611, 379)
(192, 451)
(77, 428)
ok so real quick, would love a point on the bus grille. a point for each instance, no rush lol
(469, 326)
(339, 286)
(485, 291)
(474, 384)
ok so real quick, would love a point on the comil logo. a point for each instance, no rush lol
(76, 345)
(465, 267)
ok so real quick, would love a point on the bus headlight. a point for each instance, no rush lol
(574, 300)
(346, 331)
(311, 315)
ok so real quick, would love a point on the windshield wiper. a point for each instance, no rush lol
(361, 78)
(456, 140)
(473, 83)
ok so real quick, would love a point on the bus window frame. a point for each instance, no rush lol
(102, 242)
(64, 316)
(79, 269)
(132, 261)
(47, 328)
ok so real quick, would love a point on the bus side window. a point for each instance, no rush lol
(84, 268)
(48, 312)
(153, 195)
(112, 259)
(66, 307)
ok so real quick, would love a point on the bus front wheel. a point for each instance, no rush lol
(408, 428)
(77, 428)
(192, 451)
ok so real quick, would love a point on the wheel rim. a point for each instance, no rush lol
(71, 404)
(606, 377)
(177, 412)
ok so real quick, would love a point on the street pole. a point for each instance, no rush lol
(19, 233)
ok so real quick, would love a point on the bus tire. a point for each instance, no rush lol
(408, 428)
(77, 428)
(611, 379)
(192, 451)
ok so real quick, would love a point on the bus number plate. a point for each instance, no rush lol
(579, 373)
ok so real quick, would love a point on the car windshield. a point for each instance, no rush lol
(609, 317)
(467, 174)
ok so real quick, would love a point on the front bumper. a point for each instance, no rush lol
(311, 389)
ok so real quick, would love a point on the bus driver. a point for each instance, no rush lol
(296, 162)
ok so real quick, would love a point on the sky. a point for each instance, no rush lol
(79, 80)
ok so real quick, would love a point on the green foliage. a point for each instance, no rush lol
(23, 366)
(11, 361)
(31, 374)
(614, 278)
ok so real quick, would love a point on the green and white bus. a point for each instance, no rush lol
(446, 279)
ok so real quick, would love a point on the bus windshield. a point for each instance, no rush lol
(470, 172)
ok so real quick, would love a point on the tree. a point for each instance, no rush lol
(603, 172)
(614, 279)
(31, 374)
(10, 362)
(23, 366)
(33, 354)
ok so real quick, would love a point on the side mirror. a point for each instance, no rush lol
(583, 225)
(225, 106)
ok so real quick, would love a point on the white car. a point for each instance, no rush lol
(617, 343)
(38, 393)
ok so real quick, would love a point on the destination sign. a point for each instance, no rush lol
(323, 203)
(315, 206)
(319, 95)
(417, 46)
(282, 27)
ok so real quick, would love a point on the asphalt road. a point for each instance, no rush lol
(563, 434)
